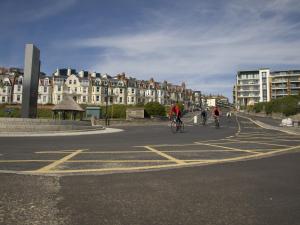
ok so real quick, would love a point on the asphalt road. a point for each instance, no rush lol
(238, 174)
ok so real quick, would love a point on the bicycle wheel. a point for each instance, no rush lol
(181, 128)
(173, 127)
(217, 123)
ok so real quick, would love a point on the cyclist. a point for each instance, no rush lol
(228, 114)
(216, 114)
(204, 116)
(175, 111)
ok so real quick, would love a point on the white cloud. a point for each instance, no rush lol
(245, 34)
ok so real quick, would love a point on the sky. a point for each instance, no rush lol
(201, 42)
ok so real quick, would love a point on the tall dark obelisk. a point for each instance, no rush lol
(30, 81)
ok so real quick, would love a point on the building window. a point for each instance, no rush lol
(121, 90)
(76, 90)
(84, 98)
(97, 98)
(58, 88)
(120, 99)
(70, 81)
(111, 99)
(74, 82)
(132, 91)
(18, 97)
(84, 90)
(4, 90)
(58, 97)
(45, 89)
(44, 99)
(69, 89)
(132, 99)
(128, 99)
(19, 87)
(98, 89)
(3, 99)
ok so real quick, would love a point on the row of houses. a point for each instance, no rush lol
(96, 89)
(263, 85)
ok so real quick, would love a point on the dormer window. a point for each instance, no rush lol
(70, 81)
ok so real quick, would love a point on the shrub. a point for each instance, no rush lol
(44, 113)
(154, 109)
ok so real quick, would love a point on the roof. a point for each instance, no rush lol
(67, 104)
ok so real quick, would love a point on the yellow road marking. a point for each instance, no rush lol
(199, 150)
(198, 162)
(90, 152)
(165, 155)
(164, 145)
(117, 161)
(24, 160)
(58, 162)
(225, 147)
(262, 143)
(268, 138)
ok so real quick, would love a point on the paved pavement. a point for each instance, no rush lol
(273, 124)
(202, 176)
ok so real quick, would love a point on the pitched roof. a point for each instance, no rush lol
(67, 104)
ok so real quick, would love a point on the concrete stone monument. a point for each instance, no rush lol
(30, 81)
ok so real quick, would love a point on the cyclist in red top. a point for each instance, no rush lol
(175, 111)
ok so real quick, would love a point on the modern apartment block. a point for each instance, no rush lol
(285, 83)
(263, 85)
(97, 89)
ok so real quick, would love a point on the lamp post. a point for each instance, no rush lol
(106, 104)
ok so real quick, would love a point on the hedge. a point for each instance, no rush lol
(287, 105)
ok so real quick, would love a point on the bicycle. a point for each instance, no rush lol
(176, 125)
(204, 120)
(217, 121)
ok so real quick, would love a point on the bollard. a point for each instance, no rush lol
(195, 119)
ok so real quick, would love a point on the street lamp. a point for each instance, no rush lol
(106, 105)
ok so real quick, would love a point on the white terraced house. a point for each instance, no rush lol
(45, 91)
(18, 89)
(94, 88)
(6, 89)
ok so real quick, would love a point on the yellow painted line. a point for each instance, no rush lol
(225, 147)
(199, 151)
(97, 152)
(268, 138)
(261, 143)
(24, 160)
(117, 161)
(164, 145)
(165, 155)
(142, 168)
(54, 152)
(58, 162)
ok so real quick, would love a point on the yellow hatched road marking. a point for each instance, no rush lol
(262, 143)
(58, 162)
(225, 147)
(178, 161)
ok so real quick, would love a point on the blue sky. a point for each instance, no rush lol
(200, 42)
